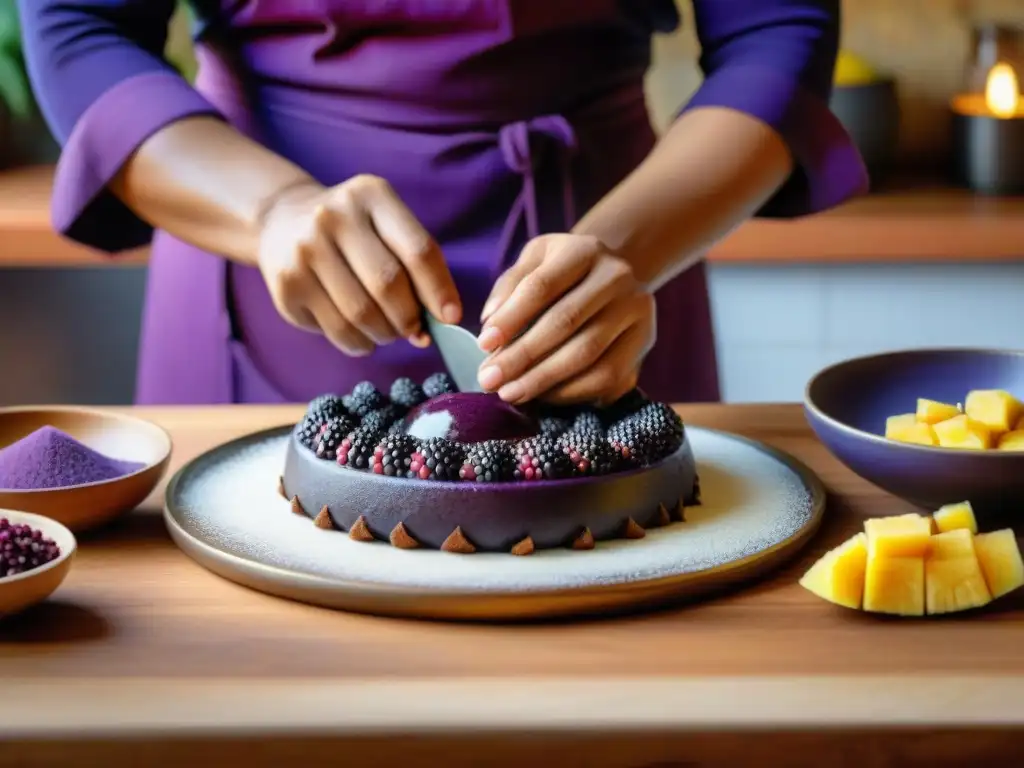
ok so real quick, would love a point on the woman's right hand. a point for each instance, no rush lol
(352, 262)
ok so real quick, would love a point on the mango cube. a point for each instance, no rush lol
(899, 536)
(1000, 561)
(952, 575)
(963, 432)
(995, 408)
(838, 576)
(932, 411)
(894, 584)
(953, 517)
(1011, 441)
(906, 428)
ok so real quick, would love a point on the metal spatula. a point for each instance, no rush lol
(459, 350)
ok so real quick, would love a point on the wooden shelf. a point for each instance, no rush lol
(27, 238)
(914, 223)
(917, 223)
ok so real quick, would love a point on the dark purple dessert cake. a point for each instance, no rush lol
(426, 466)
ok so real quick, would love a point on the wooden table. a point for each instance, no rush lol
(143, 658)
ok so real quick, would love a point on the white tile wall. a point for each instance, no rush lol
(777, 325)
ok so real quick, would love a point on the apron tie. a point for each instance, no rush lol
(514, 141)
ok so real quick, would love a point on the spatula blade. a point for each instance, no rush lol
(460, 352)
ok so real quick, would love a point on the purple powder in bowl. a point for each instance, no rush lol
(50, 458)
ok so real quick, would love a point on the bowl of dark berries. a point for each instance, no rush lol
(421, 465)
(35, 556)
(79, 466)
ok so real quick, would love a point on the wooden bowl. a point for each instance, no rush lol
(26, 589)
(81, 507)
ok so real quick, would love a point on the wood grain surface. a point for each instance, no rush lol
(142, 642)
(915, 221)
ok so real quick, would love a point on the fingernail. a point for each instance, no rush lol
(490, 377)
(489, 306)
(450, 313)
(421, 340)
(511, 392)
(490, 339)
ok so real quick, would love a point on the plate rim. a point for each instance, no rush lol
(434, 600)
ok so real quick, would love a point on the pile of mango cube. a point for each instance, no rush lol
(913, 565)
(990, 419)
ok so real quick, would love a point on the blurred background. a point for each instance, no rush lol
(934, 256)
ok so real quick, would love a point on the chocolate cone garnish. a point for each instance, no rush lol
(360, 531)
(633, 530)
(402, 539)
(297, 507)
(524, 547)
(280, 487)
(679, 513)
(458, 543)
(323, 519)
(584, 541)
(664, 518)
(696, 491)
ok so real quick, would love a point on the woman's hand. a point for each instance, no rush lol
(353, 263)
(568, 322)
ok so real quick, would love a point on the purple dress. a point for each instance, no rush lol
(495, 120)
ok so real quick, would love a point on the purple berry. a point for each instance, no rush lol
(23, 548)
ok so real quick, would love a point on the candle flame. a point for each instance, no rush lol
(1002, 94)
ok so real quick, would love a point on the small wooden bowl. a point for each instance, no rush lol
(27, 589)
(81, 507)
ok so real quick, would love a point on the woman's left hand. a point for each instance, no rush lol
(568, 322)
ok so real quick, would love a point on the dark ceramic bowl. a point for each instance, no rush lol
(870, 113)
(847, 405)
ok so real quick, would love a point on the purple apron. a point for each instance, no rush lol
(495, 120)
(490, 136)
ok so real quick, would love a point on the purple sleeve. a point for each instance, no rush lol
(774, 60)
(104, 87)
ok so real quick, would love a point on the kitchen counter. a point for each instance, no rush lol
(917, 221)
(143, 658)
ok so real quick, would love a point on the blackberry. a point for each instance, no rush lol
(438, 384)
(381, 419)
(364, 398)
(356, 450)
(553, 426)
(308, 430)
(662, 429)
(325, 407)
(541, 458)
(407, 393)
(489, 462)
(587, 423)
(438, 459)
(393, 455)
(398, 428)
(590, 453)
(628, 442)
(331, 435)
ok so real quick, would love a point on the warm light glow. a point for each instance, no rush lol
(1002, 94)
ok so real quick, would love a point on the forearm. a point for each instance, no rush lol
(206, 184)
(713, 169)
